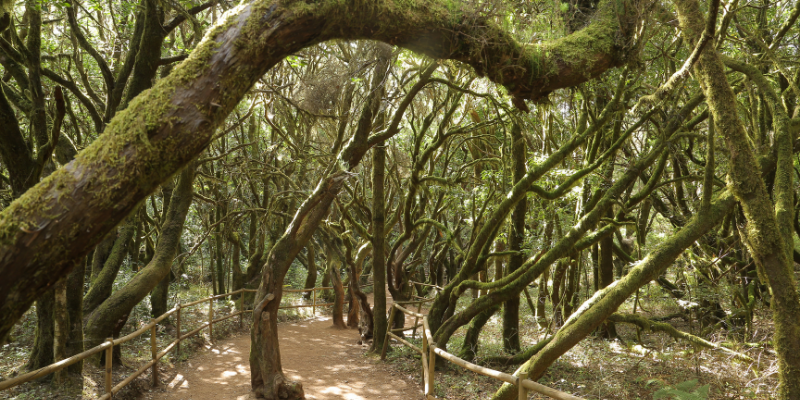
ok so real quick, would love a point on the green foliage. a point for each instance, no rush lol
(688, 390)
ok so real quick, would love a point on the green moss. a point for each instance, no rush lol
(580, 49)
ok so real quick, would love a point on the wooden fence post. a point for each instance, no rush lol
(178, 334)
(431, 365)
(314, 302)
(154, 352)
(523, 393)
(109, 357)
(388, 330)
(425, 346)
(211, 319)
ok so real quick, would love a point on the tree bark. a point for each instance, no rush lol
(769, 226)
(378, 252)
(334, 273)
(511, 307)
(311, 278)
(101, 253)
(75, 283)
(112, 312)
(605, 302)
(219, 254)
(42, 353)
(61, 326)
(159, 297)
(173, 122)
(606, 269)
(469, 349)
(267, 377)
(366, 317)
(102, 285)
(14, 151)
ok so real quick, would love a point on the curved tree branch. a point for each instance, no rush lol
(65, 215)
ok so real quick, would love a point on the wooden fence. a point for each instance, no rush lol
(429, 351)
(109, 344)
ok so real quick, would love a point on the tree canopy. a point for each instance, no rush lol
(584, 149)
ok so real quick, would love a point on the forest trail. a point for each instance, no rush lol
(328, 361)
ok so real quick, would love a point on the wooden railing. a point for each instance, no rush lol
(435, 287)
(109, 344)
(429, 351)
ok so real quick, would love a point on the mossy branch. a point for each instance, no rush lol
(64, 216)
(653, 326)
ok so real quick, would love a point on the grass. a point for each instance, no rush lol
(633, 367)
(624, 368)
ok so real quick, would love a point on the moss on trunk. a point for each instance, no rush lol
(768, 224)
(511, 341)
(113, 312)
(167, 126)
(42, 352)
(378, 245)
(594, 311)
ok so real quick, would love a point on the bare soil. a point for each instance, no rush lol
(329, 362)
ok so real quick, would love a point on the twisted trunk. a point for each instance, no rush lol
(169, 125)
(113, 312)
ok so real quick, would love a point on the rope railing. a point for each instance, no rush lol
(429, 351)
(108, 345)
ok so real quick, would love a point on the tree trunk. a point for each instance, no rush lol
(61, 327)
(541, 299)
(469, 349)
(338, 293)
(327, 294)
(557, 295)
(769, 226)
(378, 254)
(267, 377)
(571, 290)
(102, 285)
(236, 57)
(112, 314)
(237, 279)
(159, 297)
(365, 323)
(517, 238)
(42, 353)
(101, 253)
(219, 255)
(594, 311)
(75, 283)
(311, 278)
(353, 308)
(606, 269)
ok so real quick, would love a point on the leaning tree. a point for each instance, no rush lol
(55, 223)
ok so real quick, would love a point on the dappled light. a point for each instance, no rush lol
(328, 361)
(399, 199)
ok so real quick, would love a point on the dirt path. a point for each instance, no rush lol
(328, 362)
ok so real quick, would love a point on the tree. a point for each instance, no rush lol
(452, 163)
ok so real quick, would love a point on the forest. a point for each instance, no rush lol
(597, 195)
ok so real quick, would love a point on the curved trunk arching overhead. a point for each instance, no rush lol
(63, 217)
